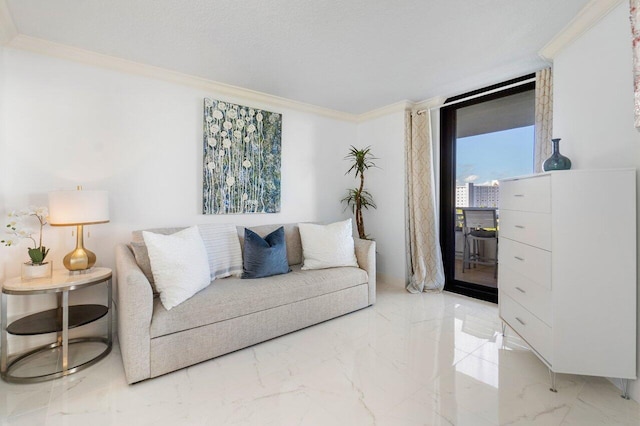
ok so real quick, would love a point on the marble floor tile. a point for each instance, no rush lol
(17, 400)
(411, 359)
(599, 403)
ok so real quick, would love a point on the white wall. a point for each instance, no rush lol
(593, 105)
(64, 124)
(386, 224)
(3, 157)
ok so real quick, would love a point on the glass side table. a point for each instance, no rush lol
(58, 320)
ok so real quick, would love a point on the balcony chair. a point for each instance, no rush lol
(479, 226)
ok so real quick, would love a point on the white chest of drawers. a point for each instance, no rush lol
(567, 275)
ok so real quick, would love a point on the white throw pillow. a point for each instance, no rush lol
(179, 265)
(327, 246)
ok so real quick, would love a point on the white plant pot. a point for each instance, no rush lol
(31, 271)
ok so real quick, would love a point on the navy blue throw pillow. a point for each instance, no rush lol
(266, 256)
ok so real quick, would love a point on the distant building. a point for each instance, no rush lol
(464, 193)
(470, 195)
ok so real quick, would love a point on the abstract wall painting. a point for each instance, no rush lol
(634, 9)
(241, 159)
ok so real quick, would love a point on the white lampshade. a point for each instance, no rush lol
(79, 207)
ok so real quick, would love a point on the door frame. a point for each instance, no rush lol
(448, 124)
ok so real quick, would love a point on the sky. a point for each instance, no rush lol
(491, 156)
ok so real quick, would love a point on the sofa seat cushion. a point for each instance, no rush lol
(234, 297)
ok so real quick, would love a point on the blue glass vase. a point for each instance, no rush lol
(557, 161)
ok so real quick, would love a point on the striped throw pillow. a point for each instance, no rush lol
(223, 249)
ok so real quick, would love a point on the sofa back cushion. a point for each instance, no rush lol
(213, 246)
(141, 254)
(291, 236)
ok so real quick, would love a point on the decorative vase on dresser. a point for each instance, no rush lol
(567, 277)
(557, 161)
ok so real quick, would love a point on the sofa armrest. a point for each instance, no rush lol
(135, 308)
(366, 255)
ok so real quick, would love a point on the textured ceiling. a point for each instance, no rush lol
(350, 55)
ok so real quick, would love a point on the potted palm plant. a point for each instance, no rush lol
(358, 198)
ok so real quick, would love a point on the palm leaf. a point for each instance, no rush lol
(366, 200)
(362, 160)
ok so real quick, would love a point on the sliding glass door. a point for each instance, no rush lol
(486, 136)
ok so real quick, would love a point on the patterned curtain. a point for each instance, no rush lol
(426, 272)
(544, 117)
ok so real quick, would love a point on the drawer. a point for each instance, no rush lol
(529, 228)
(536, 333)
(532, 262)
(528, 194)
(531, 296)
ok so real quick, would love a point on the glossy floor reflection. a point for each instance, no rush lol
(430, 359)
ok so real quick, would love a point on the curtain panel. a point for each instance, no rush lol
(544, 117)
(426, 271)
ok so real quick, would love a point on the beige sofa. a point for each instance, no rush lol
(232, 313)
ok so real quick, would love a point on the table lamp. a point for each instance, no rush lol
(78, 208)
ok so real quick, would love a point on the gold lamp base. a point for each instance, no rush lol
(79, 259)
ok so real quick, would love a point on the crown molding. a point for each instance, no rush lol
(430, 103)
(591, 14)
(63, 51)
(385, 110)
(8, 30)
(49, 48)
(405, 106)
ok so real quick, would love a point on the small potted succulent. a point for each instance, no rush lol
(37, 267)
